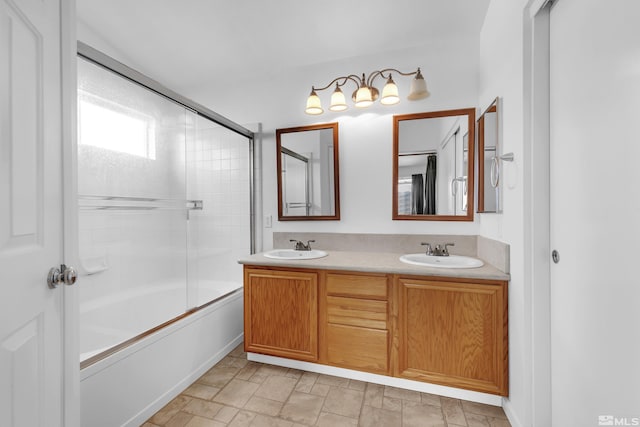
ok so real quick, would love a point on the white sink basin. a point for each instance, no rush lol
(451, 261)
(293, 254)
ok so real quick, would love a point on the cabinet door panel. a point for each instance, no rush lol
(358, 348)
(453, 334)
(281, 313)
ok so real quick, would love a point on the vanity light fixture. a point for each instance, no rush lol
(365, 93)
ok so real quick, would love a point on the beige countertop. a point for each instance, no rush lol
(376, 262)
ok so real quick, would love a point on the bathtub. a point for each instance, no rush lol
(127, 385)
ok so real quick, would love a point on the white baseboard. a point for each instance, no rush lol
(473, 396)
(511, 415)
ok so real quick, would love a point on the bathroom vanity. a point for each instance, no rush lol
(369, 312)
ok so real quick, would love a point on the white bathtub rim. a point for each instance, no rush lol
(97, 315)
(125, 295)
(152, 338)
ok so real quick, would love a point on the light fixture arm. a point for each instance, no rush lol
(364, 81)
(365, 93)
(375, 74)
(344, 79)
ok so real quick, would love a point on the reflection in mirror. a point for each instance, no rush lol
(307, 158)
(488, 188)
(432, 170)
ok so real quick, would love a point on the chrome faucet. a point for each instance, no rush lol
(439, 250)
(429, 248)
(300, 246)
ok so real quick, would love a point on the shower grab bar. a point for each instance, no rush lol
(92, 202)
(127, 198)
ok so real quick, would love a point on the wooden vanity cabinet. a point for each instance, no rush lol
(447, 331)
(357, 321)
(453, 332)
(281, 313)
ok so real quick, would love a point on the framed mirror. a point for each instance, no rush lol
(488, 149)
(433, 165)
(308, 184)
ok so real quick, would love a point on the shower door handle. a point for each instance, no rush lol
(194, 205)
(62, 274)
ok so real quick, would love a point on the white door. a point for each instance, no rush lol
(595, 212)
(31, 316)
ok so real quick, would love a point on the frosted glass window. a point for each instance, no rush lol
(107, 125)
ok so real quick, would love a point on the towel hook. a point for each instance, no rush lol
(495, 167)
(507, 157)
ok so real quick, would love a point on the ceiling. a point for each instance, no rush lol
(187, 43)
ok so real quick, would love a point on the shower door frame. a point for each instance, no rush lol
(95, 56)
(98, 58)
(305, 160)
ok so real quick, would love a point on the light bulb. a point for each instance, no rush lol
(338, 101)
(390, 93)
(314, 106)
(364, 97)
(418, 88)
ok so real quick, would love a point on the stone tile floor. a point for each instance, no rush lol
(237, 392)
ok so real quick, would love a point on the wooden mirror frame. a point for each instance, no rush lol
(471, 115)
(493, 108)
(336, 174)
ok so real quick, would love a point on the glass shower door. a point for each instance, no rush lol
(132, 208)
(219, 233)
(164, 209)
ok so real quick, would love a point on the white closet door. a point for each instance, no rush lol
(595, 211)
(31, 374)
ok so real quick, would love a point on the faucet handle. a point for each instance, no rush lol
(445, 250)
(429, 248)
(298, 244)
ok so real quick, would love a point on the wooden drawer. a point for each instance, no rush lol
(357, 312)
(362, 286)
(358, 348)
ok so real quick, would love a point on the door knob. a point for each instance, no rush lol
(62, 274)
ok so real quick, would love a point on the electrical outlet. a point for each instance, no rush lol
(268, 221)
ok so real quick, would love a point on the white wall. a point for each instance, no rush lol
(501, 74)
(365, 138)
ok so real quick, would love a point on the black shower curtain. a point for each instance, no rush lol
(430, 186)
(417, 194)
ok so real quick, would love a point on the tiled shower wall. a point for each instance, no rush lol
(218, 174)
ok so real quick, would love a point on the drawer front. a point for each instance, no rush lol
(357, 312)
(357, 285)
(358, 348)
